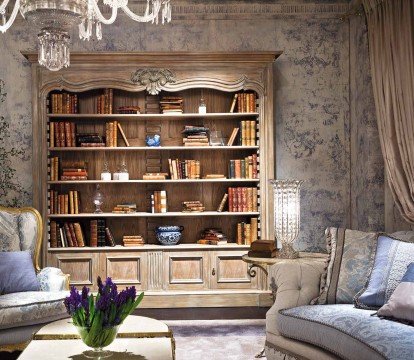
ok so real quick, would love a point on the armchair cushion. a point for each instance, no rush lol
(9, 232)
(32, 307)
(17, 273)
(52, 279)
(28, 228)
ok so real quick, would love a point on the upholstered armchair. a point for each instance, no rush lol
(23, 313)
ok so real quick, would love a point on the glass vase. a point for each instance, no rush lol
(97, 340)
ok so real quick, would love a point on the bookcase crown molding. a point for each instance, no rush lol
(153, 79)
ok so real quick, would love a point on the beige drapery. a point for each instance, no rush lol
(391, 46)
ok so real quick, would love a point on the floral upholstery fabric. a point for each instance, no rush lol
(27, 231)
(348, 332)
(31, 307)
(51, 279)
(9, 232)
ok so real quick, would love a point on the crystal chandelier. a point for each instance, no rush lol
(287, 214)
(55, 18)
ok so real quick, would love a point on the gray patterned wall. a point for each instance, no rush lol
(325, 136)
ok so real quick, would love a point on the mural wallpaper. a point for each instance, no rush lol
(315, 127)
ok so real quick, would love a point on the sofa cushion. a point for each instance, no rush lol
(348, 265)
(400, 306)
(31, 307)
(391, 260)
(17, 272)
(9, 232)
(348, 332)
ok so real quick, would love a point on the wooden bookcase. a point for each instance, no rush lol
(187, 274)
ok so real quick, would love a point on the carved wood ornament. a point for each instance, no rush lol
(153, 79)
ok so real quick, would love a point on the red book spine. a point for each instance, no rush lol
(68, 234)
(244, 199)
(72, 234)
(231, 195)
(239, 200)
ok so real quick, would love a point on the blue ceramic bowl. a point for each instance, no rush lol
(168, 235)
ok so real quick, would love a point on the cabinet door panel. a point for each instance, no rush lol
(125, 269)
(186, 270)
(82, 268)
(230, 271)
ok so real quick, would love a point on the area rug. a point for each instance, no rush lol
(218, 339)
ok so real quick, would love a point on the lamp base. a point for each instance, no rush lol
(287, 252)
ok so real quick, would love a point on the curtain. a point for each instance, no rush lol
(391, 46)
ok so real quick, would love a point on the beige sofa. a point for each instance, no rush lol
(295, 283)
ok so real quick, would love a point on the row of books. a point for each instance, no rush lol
(247, 232)
(159, 202)
(68, 234)
(245, 134)
(105, 102)
(171, 105)
(244, 168)
(63, 103)
(101, 235)
(64, 203)
(184, 169)
(195, 135)
(242, 199)
(129, 110)
(244, 102)
(62, 134)
(193, 206)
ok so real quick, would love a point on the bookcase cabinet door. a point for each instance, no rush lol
(186, 270)
(83, 268)
(229, 271)
(125, 268)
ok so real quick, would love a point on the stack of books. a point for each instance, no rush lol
(63, 103)
(126, 208)
(154, 176)
(159, 202)
(64, 203)
(184, 169)
(62, 134)
(193, 206)
(105, 102)
(247, 233)
(212, 236)
(67, 234)
(128, 110)
(74, 170)
(244, 168)
(90, 140)
(195, 135)
(263, 249)
(172, 105)
(133, 240)
(242, 199)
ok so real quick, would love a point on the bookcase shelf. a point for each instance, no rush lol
(145, 117)
(95, 84)
(167, 181)
(159, 148)
(149, 215)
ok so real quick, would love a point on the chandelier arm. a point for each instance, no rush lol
(3, 6)
(13, 15)
(146, 18)
(100, 17)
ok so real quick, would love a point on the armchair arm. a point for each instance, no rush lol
(294, 283)
(53, 279)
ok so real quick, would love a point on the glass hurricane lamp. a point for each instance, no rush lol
(98, 200)
(54, 20)
(287, 215)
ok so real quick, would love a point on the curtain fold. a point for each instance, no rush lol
(391, 46)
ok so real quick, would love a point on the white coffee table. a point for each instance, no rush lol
(138, 338)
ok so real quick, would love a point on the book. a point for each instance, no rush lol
(233, 103)
(233, 136)
(262, 254)
(94, 233)
(263, 245)
(223, 202)
(53, 234)
(121, 130)
(109, 237)
(79, 234)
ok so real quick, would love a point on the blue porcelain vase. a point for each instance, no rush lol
(168, 235)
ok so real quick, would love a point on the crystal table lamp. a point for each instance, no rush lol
(287, 215)
(98, 200)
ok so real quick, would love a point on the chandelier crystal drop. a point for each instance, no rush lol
(55, 18)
